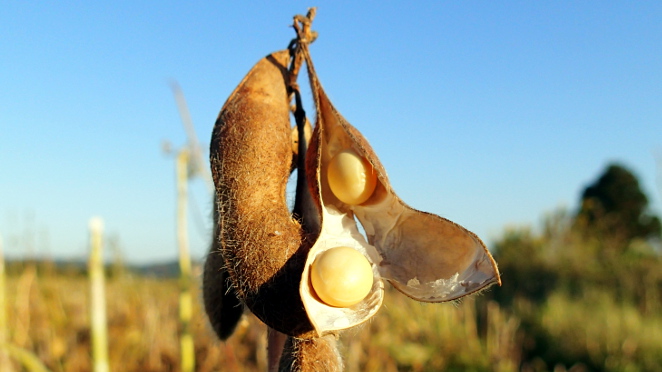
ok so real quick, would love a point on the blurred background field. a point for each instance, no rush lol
(484, 113)
(580, 294)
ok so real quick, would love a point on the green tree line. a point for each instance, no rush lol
(588, 285)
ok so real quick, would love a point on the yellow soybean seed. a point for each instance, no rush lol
(351, 177)
(341, 276)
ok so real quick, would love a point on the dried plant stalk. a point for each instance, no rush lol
(313, 354)
(99, 326)
(27, 359)
(187, 348)
(4, 327)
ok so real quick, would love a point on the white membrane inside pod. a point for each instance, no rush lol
(339, 229)
(425, 256)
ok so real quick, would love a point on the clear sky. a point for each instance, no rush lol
(488, 113)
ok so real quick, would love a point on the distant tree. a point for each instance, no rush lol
(616, 206)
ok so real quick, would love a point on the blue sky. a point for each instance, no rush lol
(489, 114)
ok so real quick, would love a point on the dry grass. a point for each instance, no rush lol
(49, 316)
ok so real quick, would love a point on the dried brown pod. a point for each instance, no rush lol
(261, 244)
(424, 256)
(314, 274)
(220, 298)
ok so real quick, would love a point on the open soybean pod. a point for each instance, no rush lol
(261, 244)
(424, 256)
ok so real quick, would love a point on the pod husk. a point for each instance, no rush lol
(220, 299)
(424, 256)
(262, 246)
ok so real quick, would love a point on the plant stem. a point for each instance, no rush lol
(4, 329)
(26, 358)
(98, 297)
(185, 297)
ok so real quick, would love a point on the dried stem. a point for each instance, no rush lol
(187, 348)
(307, 355)
(304, 206)
(4, 325)
(305, 36)
(99, 327)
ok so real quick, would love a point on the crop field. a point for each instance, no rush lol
(580, 328)
(287, 228)
(49, 316)
(576, 296)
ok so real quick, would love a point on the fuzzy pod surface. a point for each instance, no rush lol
(222, 305)
(262, 246)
